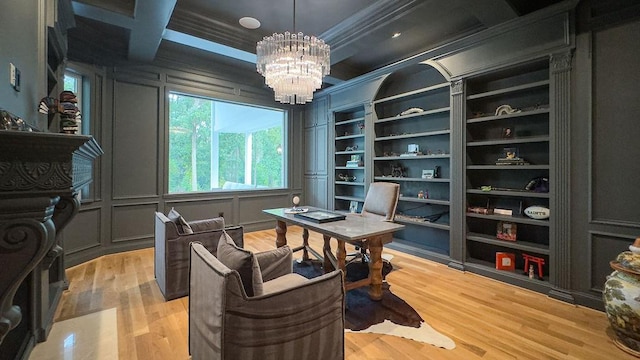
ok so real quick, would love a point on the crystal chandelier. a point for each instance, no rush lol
(293, 64)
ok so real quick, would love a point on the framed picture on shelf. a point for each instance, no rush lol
(507, 231)
(507, 132)
(505, 261)
(428, 174)
(353, 207)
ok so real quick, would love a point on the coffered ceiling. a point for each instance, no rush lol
(114, 32)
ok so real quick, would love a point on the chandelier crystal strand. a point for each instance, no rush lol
(293, 65)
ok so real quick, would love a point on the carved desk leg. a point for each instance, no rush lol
(327, 264)
(375, 268)
(341, 256)
(26, 234)
(281, 233)
(305, 244)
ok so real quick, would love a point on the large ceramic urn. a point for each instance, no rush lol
(622, 299)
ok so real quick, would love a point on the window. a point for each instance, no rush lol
(73, 82)
(222, 145)
(80, 86)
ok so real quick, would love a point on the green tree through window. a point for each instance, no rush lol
(222, 145)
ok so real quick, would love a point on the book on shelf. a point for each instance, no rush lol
(352, 163)
(507, 212)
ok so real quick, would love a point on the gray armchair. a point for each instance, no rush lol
(171, 252)
(291, 318)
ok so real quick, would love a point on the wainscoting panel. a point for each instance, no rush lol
(605, 247)
(135, 144)
(83, 232)
(615, 150)
(251, 208)
(133, 222)
(198, 209)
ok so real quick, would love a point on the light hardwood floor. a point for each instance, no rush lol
(486, 319)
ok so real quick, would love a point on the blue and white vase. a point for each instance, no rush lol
(622, 299)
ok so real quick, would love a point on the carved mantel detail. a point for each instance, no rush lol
(40, 176)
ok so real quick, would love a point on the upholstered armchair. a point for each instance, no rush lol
(172, 238)
(288, 316)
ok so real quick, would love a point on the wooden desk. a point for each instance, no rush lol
(353, 230)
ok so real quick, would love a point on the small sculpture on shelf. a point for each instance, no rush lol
(346, 178)
(66, 106)
(361, 127)
(506, 110)
(9, 121)
(397, 171)
(530, 260)
(413, 110)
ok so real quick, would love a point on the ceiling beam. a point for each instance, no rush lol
(152, 17)
(207, 45)
(146, 27)
(102, 15)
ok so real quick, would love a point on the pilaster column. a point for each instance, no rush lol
(457, 233)
(560, 174)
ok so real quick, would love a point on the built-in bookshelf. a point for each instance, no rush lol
(349, 159)
(412, 148)
(507, 169)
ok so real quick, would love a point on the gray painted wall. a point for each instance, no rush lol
(21, 43)
(605, 172)
(130, 123)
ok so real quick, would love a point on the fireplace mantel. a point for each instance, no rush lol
(40, 177)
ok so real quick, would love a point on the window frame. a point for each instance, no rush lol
(239, 100)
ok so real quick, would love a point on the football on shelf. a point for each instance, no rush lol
(537, 212)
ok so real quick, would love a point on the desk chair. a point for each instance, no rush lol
(380, 203)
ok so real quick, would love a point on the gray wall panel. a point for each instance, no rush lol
(604, 211)
(135, 144)
(204, 209)
(132, 222)
(604, 248)
(616, 169)
(84, 231)
(251, 208)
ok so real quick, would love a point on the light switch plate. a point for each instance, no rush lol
(14, 77)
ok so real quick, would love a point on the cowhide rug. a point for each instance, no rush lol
(389, 316)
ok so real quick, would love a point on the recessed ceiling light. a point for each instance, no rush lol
(395, 35)
(249, 22)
